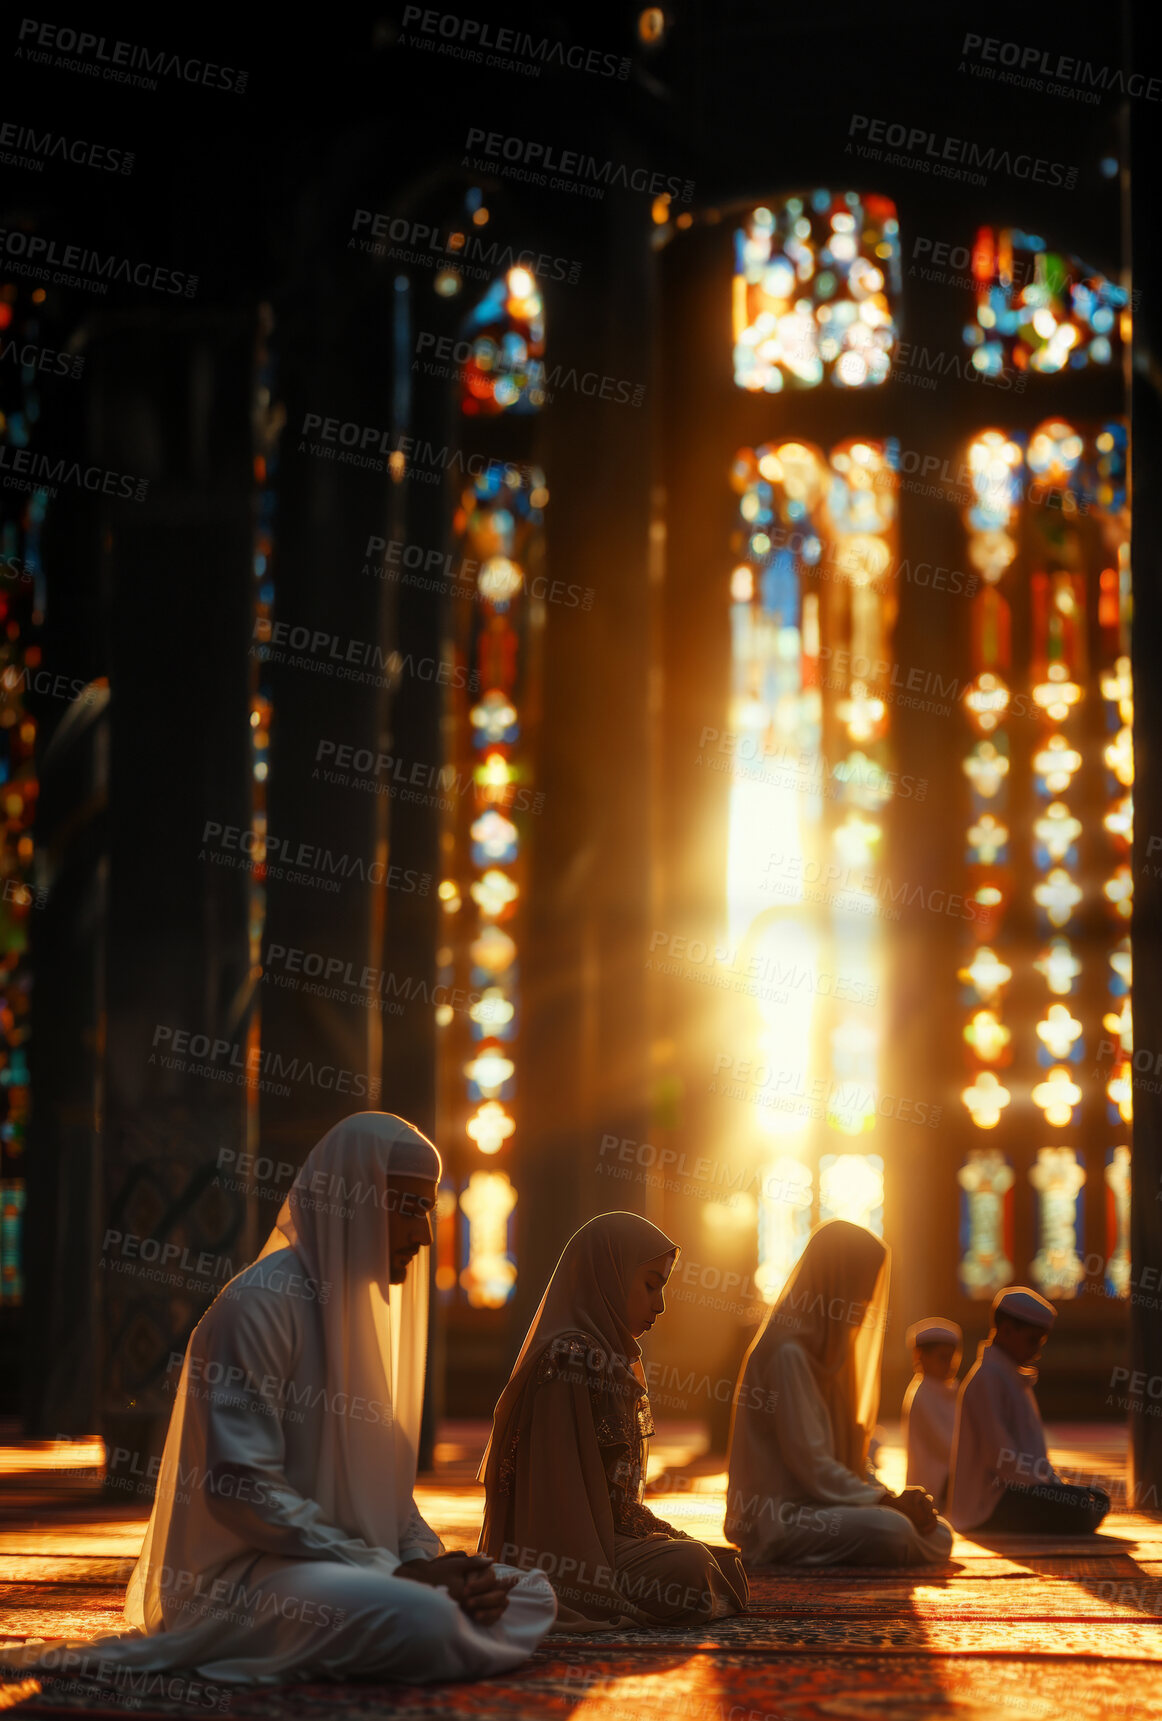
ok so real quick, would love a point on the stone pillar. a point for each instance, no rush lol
(1146, 450)
(171, 403)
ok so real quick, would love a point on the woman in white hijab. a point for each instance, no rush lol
(800, 1489)
(285, 1542)
(565, 1467)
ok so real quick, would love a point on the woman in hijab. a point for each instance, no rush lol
(800, 1489)
(285, 1542)
(565, 1466)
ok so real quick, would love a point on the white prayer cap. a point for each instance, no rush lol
(934, 1331)
(1024, 1305)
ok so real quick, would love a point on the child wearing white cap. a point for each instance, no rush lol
(930, 1403)
(1001, 1475)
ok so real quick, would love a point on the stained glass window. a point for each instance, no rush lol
(21, 617)
(784, 1222)
(1118, 1221)
(498, 527)
(268, 416)
(1058, 1178)
(486, 1205)
(986, 1223)
(505, 333)
(1048, 532)
(812, 606)
(851, 1186)
(1041, 310)
(816, 280)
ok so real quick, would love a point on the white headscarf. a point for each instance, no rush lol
(834, 1307)
(335, 1219)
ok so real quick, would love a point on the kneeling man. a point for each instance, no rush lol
(285, 1541)
(1001, 1475)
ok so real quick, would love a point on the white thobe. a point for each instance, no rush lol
(259, 1588)
(790, 1500)
(999, 1438)
(929, 1424)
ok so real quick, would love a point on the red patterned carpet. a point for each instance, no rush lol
(1021, 1628)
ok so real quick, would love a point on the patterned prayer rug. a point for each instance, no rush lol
(699, 1687)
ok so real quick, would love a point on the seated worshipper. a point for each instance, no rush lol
(800, 1490)
(565, 1466)
(930, 1403)
(1001, 1475)
(285, 1542)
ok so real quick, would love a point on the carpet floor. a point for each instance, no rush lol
(1023, 1627)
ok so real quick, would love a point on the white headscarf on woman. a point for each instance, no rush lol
(834, 1307)
(335, 1219)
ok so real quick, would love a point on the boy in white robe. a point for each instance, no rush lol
(285, 1542)
(929, 1412)
(1001, 1475)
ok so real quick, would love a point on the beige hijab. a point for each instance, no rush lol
(834, 1307)
(555, 1510)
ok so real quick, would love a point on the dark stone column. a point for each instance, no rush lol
(171, 402)
(65, 1215)
(1146, 1214)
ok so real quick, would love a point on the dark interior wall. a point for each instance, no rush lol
(256, 194)
(1146, 1213)
(146, 937)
